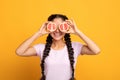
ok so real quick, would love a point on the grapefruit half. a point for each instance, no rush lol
(51, 26)
(64, 27)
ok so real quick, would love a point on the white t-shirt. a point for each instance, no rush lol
(57, 64)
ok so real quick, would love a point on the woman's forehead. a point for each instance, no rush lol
(58, 20)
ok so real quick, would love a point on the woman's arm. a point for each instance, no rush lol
(90, 48)
(25, 49)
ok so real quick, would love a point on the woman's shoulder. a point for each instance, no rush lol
(77, 46)
(76, 43)
(42, 44)
(39, 45)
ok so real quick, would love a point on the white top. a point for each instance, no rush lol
(57, 64)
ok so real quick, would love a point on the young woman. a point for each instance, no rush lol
(58, 55)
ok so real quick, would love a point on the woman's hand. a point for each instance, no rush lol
(73, 28)
(43, 29)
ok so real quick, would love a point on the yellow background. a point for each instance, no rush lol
(98, 19)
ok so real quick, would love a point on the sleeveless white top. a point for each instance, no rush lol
(57, 64)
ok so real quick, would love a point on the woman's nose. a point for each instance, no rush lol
(57, 30)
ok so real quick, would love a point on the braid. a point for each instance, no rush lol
(71, 53)
(45, 54)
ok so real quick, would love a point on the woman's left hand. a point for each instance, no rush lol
(73, 28)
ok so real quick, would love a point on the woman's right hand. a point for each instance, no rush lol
(43, 29)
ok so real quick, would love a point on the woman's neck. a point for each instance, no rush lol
(58, 44)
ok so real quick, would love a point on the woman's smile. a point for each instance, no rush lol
(57, 34)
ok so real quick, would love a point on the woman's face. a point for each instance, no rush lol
(57, 34)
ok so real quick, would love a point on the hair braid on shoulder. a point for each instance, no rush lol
(45, 54)
(70, 53)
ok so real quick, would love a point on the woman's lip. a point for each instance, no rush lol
(57, 34)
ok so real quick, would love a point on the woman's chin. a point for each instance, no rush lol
(58, 38)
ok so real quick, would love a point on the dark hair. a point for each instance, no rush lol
(53, 16)
(48, 45)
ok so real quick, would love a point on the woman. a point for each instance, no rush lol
(59, 54)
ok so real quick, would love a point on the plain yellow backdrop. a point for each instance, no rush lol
(98, 19)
